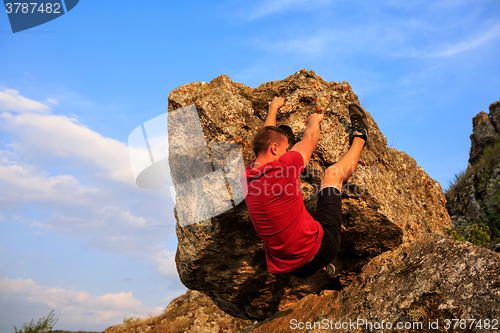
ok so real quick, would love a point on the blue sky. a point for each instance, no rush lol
(78, 236)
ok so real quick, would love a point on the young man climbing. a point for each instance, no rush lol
(294, 240)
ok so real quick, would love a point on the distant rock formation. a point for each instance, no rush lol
(432, 285)
(475, 197)
(192, 312)
(388, 201)
(486, 129)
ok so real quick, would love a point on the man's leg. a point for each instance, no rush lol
(339, 172)
(329, 208)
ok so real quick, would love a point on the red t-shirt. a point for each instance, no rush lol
(272, 194)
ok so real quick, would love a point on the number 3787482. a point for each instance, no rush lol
(33, 7)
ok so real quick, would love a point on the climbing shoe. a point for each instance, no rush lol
(358, 123)
(329, 270)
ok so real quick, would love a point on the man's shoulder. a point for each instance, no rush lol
(294, 160)
(291, 157)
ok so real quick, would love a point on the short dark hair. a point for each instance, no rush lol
(266, 137)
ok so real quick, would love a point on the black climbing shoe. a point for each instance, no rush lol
(329, 270)
(358, 123)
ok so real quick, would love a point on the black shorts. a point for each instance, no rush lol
(329, 215)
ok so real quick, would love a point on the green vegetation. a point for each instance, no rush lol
(480, 232)
(456, 233)
(456, 179)
(44, 324)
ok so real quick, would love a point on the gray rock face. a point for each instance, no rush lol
(495, 115)
(484, 134)
(388, 201)
(463, 205)
(434, 280)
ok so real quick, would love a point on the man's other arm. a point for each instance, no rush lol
(273, 109)
(310, 137)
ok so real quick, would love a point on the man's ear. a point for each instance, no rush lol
(274, 148)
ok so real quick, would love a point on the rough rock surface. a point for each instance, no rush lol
(484, 134)
(192, 312)
(495, 115)
(434, 279)
(476, 196)
(388, 201)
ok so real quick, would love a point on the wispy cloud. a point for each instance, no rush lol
(27, 184)
(400, 38)
(11, 100)
(469, 44)
(266, 8)
(313, 46)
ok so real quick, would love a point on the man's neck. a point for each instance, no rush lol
(263, 160)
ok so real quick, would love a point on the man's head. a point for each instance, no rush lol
(270, 139)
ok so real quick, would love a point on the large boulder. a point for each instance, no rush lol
(388, 201)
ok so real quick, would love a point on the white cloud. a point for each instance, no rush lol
(43, 136)
(72, 306)
(10, 100)
(27, 184)
(166, 263)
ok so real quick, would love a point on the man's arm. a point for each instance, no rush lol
(310, 137)
(273, 109)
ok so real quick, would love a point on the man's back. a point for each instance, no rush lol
(278, 214)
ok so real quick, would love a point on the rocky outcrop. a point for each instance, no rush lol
(388, 201)
(192, 312)
(475, 197)
(495, 115)
(433, 285)
(484, 134)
